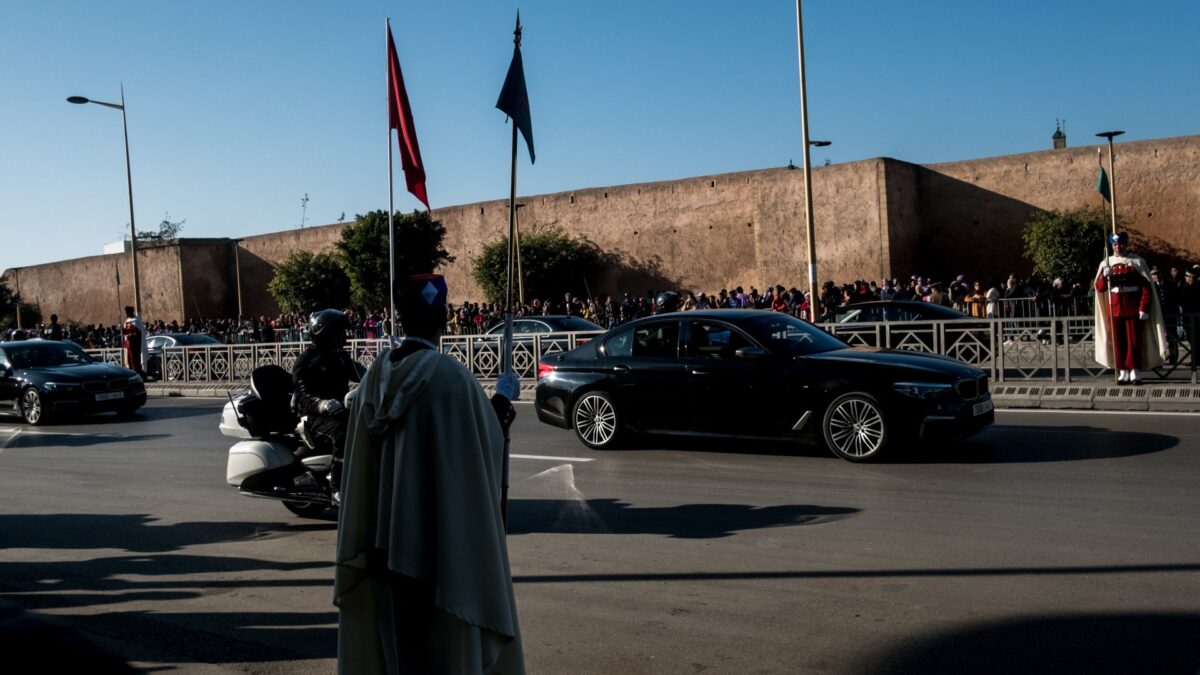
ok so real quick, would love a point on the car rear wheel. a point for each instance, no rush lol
(33, 409)
(596, 421)
(855, 427)
(306, 509)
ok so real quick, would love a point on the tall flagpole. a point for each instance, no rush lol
(506, 355)
(808, 202)
(391, 210)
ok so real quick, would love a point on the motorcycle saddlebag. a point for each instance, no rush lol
(248, 458)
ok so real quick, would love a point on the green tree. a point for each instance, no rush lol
(167, 231)
(1066, 243)
(552, 263)
(9, 303)
(307, 282)
(363, 253)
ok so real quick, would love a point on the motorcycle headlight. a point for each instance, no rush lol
(921, 390)
(60, 386)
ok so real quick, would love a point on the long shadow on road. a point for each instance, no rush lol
(131, 532)
(1084, 643)
(687, 521)
(1003, 444)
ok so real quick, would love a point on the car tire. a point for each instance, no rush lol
(596, 421)
(855, 427)
(33, 407)
(307, 509)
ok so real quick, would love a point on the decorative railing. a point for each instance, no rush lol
(1055, 349)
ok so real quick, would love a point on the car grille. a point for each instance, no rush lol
(101, 386)
(972, 389)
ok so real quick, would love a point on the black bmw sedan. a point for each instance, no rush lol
(45, 379)
(757, 374)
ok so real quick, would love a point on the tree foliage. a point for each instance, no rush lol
(363, 253)
(552, 263)
(307, 282)
(1066, 244)
(167, 231)
(10, 301)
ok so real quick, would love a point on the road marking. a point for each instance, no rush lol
(1097, 412)
(554, 459)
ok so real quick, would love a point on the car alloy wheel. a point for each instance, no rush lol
(31, 407)
(596, 421)
(855, 428)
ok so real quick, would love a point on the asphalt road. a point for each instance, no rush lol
(1053, 542)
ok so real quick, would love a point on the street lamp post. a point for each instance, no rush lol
(137, 297)
(808, 202)
(1112, 176)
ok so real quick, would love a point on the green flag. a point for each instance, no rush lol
(1102, 185)
(514, 99)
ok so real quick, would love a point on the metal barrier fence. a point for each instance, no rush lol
(1055, 349)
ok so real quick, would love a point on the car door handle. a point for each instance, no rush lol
(700, 373)
(620, 368)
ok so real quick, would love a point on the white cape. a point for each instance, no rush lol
(1154, 331)
(421, 499)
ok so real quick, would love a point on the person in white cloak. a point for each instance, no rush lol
(1130, 331)
(422, 580)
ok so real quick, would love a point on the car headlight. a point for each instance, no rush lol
(135, 379)
(60, 386)
(921, 390)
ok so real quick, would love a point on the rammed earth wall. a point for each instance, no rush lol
(874, 218)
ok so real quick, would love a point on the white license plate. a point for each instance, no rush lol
(110, 397)
(982, 407)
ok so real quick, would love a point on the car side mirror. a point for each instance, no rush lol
(750, 352)
(7, 369)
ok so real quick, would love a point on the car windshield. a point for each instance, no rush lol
(574, 323)
(786, 333)
(46, 355)
(190, 339)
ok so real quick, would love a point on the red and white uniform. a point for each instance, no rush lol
(1124, 292)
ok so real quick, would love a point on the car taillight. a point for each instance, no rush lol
(544, 369)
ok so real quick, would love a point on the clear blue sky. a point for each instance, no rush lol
(237, 109)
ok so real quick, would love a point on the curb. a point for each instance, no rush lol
(1049, 396)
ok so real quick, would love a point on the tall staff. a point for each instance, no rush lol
(1107, 186)
(514, 102)
(400, 118)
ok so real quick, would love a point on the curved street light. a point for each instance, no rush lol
(137, 296)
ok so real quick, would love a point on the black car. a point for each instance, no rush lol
(156, 344)
(45, 379)
(893, 311)
(552, 323)
(757, 374)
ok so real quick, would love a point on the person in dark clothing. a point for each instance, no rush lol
(322, 378)
(54, 331)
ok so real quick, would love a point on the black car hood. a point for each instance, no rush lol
(930, 363)
(91, 371)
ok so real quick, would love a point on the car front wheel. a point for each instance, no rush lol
(855, 427)
(33, 408)
(596, 421)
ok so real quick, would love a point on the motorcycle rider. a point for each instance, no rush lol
(322, 378)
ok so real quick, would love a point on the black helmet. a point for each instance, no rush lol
(327, 328)
(667, 301)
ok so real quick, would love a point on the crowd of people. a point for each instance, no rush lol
(1028, 296)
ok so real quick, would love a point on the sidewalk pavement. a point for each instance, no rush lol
(1083, 395)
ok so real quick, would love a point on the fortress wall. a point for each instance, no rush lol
(874, 218)
(972, 212)
(96, 288)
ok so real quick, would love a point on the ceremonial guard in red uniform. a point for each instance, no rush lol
(133, 334)
(1130, 331)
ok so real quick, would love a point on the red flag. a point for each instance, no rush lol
(400, 119)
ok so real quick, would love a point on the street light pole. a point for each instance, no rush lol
(808, 202)
(1112, 176)
(137, 296)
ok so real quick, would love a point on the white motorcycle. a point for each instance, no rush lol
(276, 458)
